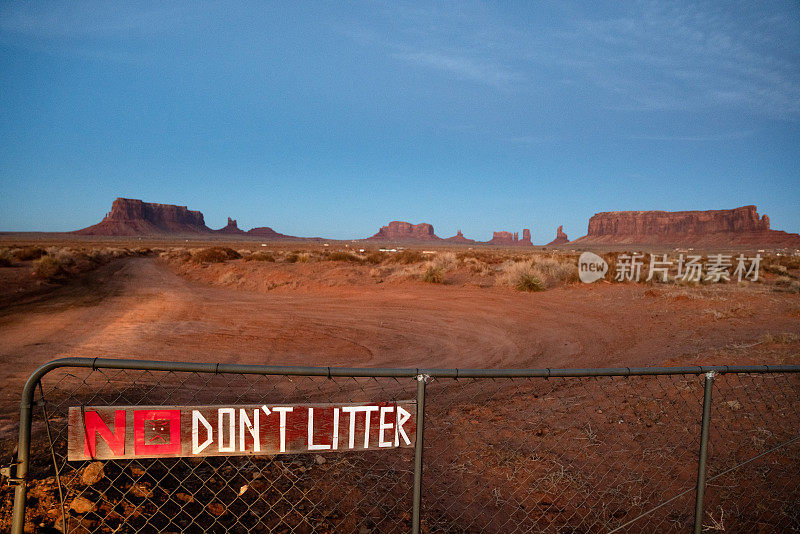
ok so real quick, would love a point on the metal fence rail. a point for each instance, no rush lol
(546, 450)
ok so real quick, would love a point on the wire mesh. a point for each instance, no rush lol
(342, 492)
(564, 455)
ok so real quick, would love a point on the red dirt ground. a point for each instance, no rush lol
(140, 308)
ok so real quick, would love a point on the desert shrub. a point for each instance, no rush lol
(557, 271)
(6, 259)
(792, 262)
(489, 258)
(345, 256)
(433, 275)
(261, 256)
(177, 254)
(785, 283)
(303, 257)
(529, 282)
(97, 256)
(774, 268)
(445, 261)
(291, 257)
(47, 267)
(215, 255)
(29, 253)
(65, 257)
(477, 266)
(521, 276)
(375, 257)
(406, 257)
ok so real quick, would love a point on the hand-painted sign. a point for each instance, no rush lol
(112, 432)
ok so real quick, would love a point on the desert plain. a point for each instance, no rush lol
(355, 305)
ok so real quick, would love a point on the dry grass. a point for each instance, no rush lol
(48, 267)
(261, 256)
(433, 275)
(375, 257)
(214, 255)
(6, 258)
(438, 267)
(557, 270)
(521, 276)
(29, 253)
(406, 257)
(486, 257)
(345, 256)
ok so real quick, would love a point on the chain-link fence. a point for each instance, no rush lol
(579, 451)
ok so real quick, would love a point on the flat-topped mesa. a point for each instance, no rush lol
(739, 226)
(231, 228)
(509, 239)
(668, 223)
(459, 238)
(405, 231)
(561, 238)
(133, 217)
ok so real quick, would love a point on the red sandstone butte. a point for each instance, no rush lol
(129, 217)
(508, 239)
(738, 227)
(231, 228)
(404, 231)
(561, 238)
(460, 239)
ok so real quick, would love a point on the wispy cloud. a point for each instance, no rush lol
(464, 68)
(732, 136)
(661, 57)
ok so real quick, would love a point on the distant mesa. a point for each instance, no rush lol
(131, 217)
(509, 239)
(561, 238)
(231, 228)
(739, 226)
(715, 228)
(460, 239)
(265, 232)
(402, 231)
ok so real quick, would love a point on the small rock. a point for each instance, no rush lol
(319, 459)
(92, 473)
(137, 471)
(141, 490)
(185, 497)
(81, 505)
(216, 509)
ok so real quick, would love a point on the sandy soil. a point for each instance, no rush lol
(140, 308)
(147, 308)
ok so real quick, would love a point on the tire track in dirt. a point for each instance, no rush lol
(139, 308)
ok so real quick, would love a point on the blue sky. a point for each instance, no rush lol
(332, 119)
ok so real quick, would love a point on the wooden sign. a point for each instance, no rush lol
(113, 432)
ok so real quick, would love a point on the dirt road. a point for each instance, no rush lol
(139, 308)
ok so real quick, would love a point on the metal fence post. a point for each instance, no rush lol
(422, 380)
(701, 466)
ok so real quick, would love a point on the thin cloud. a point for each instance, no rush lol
(463, 67)
(695, 138)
